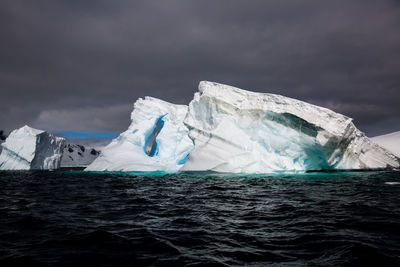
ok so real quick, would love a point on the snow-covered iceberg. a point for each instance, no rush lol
(239, 131)
(30, 149)
(227, 129)
(156, 140)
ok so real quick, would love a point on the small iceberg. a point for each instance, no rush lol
(27, 148)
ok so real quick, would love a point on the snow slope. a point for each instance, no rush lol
(239, 131)
(156, 140)
(389, 141)
(28, 148)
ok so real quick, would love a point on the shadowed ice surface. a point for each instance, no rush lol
(76, 218)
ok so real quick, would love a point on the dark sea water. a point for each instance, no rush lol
(72, 218)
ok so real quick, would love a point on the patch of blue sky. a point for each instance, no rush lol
(86, 134)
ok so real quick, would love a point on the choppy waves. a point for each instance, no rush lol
(75, 218)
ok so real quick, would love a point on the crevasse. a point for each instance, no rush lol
(151, 147)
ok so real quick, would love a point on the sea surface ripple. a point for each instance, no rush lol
(66, 218)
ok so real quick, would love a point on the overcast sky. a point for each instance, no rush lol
(80, 65)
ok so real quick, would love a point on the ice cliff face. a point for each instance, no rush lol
(75, 155)
(238, 131)
(156, 140)
(30, 149)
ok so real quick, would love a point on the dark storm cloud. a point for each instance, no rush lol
(81, 64)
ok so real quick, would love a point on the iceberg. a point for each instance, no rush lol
(227, 129)
(27, 148)
(239, 131)
(389, 141)
(156, 141)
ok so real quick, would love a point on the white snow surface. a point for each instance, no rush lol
(239, 131)
(171, 145)
(27, 148)
(389, 141)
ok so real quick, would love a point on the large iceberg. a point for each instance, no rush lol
(227, 129)
(239, 131)
(156, 140)
(30, 149)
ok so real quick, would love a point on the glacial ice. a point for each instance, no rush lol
(156, 140)
(239, 131)
(27, 148)
(389, 141)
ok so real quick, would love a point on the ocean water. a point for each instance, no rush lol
(66, 218)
